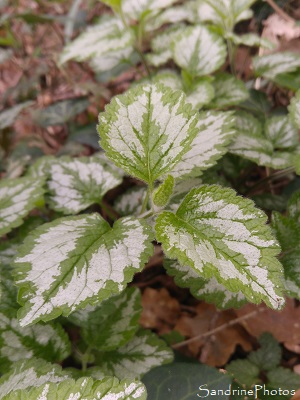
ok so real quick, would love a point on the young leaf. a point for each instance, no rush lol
(111, 324)
(220, 234)
(200, 93)
(105, 44)
(186, 381)
(130, 202)
(244, 371)
(17, 198)
(229, 91)
(161, 45)
(209, 290)
(269, 355)
(294, 109)
(30, 373)
(215, 131)
(138, 356)
(284, 378)
(162, 194)
(94, 262)
(49, 342)
(75, 184)
(272, 65)
(147, 130)
(199, 50)
(84, 388)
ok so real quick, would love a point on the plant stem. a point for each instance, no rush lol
(145, 202)
(231, 54)
(279, 11)
(85, 359)
(269, 178)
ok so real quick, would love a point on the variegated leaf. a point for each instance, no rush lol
(229, 91)
(221, 235)
(281, 132)
(252, 145)
(215, 132)
(294, 109)
(7, 117)
(224, 13)
(130, 202)
(147, 131)
(272, 65)
(251, 40)
(26, 374)
(17, 198)
(41, 168)
(111, 324)
(209, 290)
(198, 50)
(94, 262)
(105, 44)
(161, 45)
(49, 342)
(169, 78)
(76, 184)
(138, 356)
(260, 151)
(163, 192)
(135, 10)
(82, 389)
(172, 15)
(199, 94)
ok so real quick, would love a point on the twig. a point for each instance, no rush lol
(219, 328)
(278, 174)
(280, 12)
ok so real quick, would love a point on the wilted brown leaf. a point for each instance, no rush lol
(160, 310)
(217, 348)
(284, 325)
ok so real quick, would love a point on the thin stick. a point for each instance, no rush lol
(219, 328)
(279, 11)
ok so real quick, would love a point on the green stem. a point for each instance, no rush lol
(231, 54)
(145, 202)
(85, 359)
(146, 214)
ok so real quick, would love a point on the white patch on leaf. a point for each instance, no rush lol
(77, 260)
(199, 51)
(77, 184)
(272, 65)
(146, 131)
(17, 198)
(215, 130)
